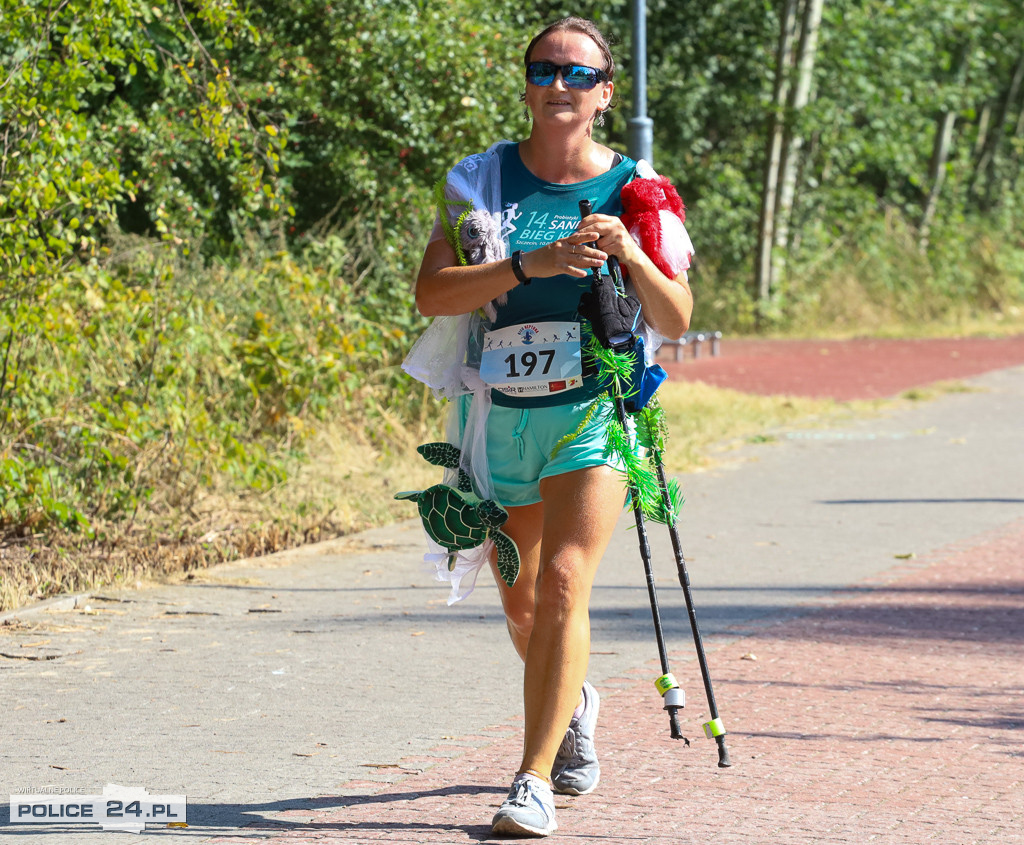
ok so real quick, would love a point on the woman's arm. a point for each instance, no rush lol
(667, 303)
(444, 287)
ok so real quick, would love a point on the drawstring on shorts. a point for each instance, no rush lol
(517, 435)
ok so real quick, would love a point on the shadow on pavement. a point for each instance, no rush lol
(992, 501)
(972, 613)
(245, 820)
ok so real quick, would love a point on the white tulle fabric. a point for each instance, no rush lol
(439, 359)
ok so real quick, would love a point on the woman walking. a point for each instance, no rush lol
(543, 455)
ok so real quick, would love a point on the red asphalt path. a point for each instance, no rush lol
(893, 715)
(843, 369)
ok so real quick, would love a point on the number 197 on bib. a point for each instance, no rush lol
(528, 362)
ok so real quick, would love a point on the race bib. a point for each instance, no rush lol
(533, 359)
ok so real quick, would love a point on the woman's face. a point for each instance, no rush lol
(558, 104)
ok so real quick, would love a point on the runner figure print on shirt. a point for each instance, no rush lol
(508, 218)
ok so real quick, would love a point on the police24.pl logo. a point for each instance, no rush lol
(118, 808)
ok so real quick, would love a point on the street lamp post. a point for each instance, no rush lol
(641, 127)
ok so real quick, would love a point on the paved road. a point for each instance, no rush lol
(861, 368)
(335, 671)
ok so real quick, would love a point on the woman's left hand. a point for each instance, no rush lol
(612, 237)
(667, 303)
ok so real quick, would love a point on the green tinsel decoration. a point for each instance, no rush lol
(612, 367)
(579, 429)
(652, 433)
(451, 233)
(641, 474)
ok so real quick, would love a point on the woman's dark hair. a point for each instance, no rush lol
(581, 25)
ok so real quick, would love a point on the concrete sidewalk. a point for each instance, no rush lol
(329, 694)
(894, 716)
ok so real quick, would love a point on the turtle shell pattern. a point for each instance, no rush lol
(456, 520)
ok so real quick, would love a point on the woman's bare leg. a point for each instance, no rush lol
(580, 510)
(525, 526)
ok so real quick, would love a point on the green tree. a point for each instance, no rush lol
(709, 92)
(97, 101)
(122, 111)
(380, 99)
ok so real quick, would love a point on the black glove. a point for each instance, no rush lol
(613, 318)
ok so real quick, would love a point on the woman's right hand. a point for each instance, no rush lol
(571, 256)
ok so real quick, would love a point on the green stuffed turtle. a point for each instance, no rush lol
(458, 519)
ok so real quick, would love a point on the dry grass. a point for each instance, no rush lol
(352, 484)
(936, 389)
(348, 485)
(703, 421)
(32, 571)
(1005, 324)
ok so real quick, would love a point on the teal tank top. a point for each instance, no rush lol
(535, 213)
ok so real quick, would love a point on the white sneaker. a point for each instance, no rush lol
(529, 809)
(576, 770)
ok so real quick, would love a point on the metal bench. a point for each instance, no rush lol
(695, 340)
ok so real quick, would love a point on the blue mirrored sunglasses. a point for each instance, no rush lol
(581, 77)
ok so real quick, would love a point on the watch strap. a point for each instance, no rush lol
(517, 267)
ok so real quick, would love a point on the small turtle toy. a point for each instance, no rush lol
(458, 519)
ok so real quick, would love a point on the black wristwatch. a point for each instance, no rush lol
(517, 267)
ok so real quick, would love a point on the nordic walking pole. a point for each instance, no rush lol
(672, 695)
(714, 728)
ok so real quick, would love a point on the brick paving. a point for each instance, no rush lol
(892, 714)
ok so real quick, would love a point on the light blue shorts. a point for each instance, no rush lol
(520, 442)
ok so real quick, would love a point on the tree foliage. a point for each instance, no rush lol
(379, 98)
(120, 113)
(210, 212)
(888, 74)
(209, 124)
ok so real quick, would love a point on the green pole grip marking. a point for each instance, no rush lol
(665, 683)
(714, 728)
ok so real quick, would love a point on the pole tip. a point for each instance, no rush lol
(673, 721)
(723, 754)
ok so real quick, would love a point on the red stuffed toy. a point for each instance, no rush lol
(654, 214)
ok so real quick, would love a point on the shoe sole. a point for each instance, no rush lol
(508, 826)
